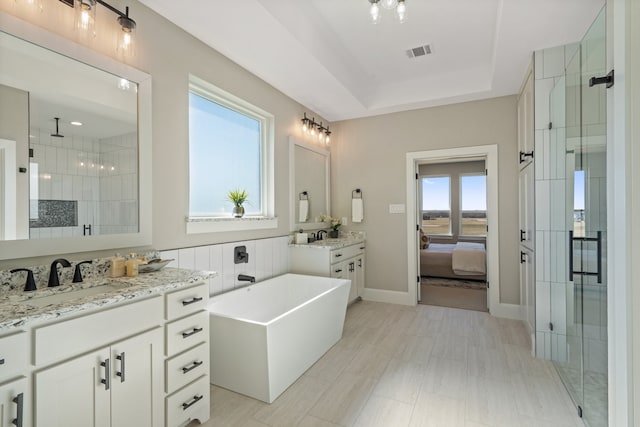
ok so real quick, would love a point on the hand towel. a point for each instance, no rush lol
(357, 210)
(303, 214)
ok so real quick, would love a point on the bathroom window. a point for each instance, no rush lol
(436, 205)
(473, 205)
(230, 147)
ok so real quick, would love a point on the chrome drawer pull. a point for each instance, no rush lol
(338, 255)
(192, 367)
(193, 332)
(196, 398)
(191, 301)
(19, 401)
(337, 271)
(120, 357)
(107, 373)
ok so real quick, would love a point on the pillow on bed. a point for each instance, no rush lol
(424, 240)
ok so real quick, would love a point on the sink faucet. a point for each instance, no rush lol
(53, 274)
(320, 236)
(245, 278)
(77, 274)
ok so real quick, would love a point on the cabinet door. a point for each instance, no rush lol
(352, 274)
(136, 381)
(73, 393)
(360, 269)
(526, 207)
(13, 404)
(526, 124)
(527, 286)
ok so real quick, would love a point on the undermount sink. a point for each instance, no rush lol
(64, 293)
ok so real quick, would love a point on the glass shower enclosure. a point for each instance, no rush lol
(578, 114)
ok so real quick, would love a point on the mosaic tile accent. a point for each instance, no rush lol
(56, 213)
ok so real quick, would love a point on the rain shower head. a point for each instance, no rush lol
(57, 134)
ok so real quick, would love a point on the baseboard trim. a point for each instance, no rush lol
(391, 297)
(509, 311)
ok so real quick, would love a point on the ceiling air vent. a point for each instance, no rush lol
(419, 51)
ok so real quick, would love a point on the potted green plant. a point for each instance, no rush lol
(238, 197)
(334, 223)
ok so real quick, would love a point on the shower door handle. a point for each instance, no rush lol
(598, 240)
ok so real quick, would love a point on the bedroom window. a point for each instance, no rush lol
(436, 205)
(473, 205)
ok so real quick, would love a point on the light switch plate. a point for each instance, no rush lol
(397, 209)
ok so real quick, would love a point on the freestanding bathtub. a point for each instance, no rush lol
(264, 336)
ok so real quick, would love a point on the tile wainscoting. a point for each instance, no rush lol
(267, 258)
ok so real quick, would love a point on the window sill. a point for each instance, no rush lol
(198, 225)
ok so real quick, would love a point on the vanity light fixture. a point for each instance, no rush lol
(399, 5)
(85, 22)
(75, 123)
(316, 130)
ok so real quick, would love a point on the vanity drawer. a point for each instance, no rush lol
(186, 301)
(186, 367)
(347, 252)
(189, 403)
(13, 355)
(186, 333)
(74, 336)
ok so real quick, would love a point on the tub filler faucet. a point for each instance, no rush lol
(245, 278)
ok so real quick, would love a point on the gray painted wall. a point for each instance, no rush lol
(370, 153)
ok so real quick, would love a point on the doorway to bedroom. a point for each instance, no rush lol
(452, 214)
(414, 160)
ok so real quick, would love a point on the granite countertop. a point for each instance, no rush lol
(19, 308)
(338, 243)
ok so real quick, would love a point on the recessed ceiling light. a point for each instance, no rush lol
(76, 123)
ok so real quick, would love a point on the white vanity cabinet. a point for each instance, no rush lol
(117, 385)
(187, 351)
(338, 261)
(13, 404)
(141, 360)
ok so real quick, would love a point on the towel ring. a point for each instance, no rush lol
(356, 194)
(304, 196)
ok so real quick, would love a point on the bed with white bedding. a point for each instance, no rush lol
(462, 260)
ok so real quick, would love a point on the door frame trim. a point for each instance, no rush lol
(490, 152)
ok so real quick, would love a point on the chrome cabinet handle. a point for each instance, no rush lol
(120, 357)
(19, 401)
(193, 332)
(196, 398)
(107, 374)
(523, 235)
(191, 301)
(338, 270)
(360, 263)
(192, 367)
(338, 255)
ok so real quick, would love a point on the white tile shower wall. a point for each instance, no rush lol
(66, 171)
(267, 258)
(118, 207)
(551, 205)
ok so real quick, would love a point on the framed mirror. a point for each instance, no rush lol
(309, 183)
(75, 149)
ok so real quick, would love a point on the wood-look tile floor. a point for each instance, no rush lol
(399, 366)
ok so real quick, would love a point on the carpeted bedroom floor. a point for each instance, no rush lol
(465, 294)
